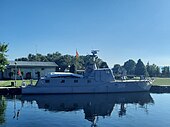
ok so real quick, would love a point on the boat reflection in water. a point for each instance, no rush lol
(94, 105)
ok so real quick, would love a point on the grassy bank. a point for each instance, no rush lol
(7, 83)
(161, 81)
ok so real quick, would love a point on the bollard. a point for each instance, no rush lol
(12, 84)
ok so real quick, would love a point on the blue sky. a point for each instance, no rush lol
(120, 29)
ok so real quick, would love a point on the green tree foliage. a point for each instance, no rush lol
(130, 67)
(116, 69)
(153, 70)
(165, 71)
(72, 68)
(64, 61)
(158, 73)
(140, 69)
(40, 57)
(3, 59)
(22, 59)
(103, 65)
(119, 71)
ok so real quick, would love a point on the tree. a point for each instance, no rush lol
(130, 67)
(72, 68)
(64, 61)
(148, 68)
(103, 65)
(140, 69)
(31, 57)
(53, 57)
(152, 70)
(22, 59)
(86, 60)
(158, 71)
(3, 59)
(116, 69)
(40, 57)
(165, 71)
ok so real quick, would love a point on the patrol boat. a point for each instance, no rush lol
(94, 80)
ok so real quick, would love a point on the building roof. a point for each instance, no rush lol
(31, 64)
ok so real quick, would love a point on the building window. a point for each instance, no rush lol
(62, 81)
(75, 81)
(47, 81)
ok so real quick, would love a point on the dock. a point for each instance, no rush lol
(160, 89)
(10, 91)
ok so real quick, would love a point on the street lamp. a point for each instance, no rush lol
(15, 73)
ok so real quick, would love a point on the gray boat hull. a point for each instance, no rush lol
(112, 87)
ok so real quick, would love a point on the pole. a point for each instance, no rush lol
(15, 73)
(76, 66)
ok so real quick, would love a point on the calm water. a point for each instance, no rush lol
(101, 110)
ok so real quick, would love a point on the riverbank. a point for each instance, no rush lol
(11, 83)
(161, 82)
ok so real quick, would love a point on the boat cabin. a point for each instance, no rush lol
(102, 75)
(63, 75)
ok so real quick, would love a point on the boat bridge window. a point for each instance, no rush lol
(47, 81)
(62, 81)
(75, 81)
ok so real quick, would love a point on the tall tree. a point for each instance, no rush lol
(165, 71)
(158, 71)
(152, 70)
(31, 57)
(3, 56)
(40, 57)
(140, 68)
(22, 59)
(103, 65)
(72, 69)
(130, 67)
(116, 69)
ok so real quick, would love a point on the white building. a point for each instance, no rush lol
(28, 69)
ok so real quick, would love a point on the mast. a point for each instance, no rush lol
(94, 56)
(92, 65)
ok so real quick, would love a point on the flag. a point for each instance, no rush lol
(19, 72)
(77, 55)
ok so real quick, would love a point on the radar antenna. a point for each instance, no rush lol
(92, 65)
(94, 52)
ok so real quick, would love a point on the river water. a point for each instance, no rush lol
(86, 110)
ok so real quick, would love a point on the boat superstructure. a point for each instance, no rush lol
(94, 80)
